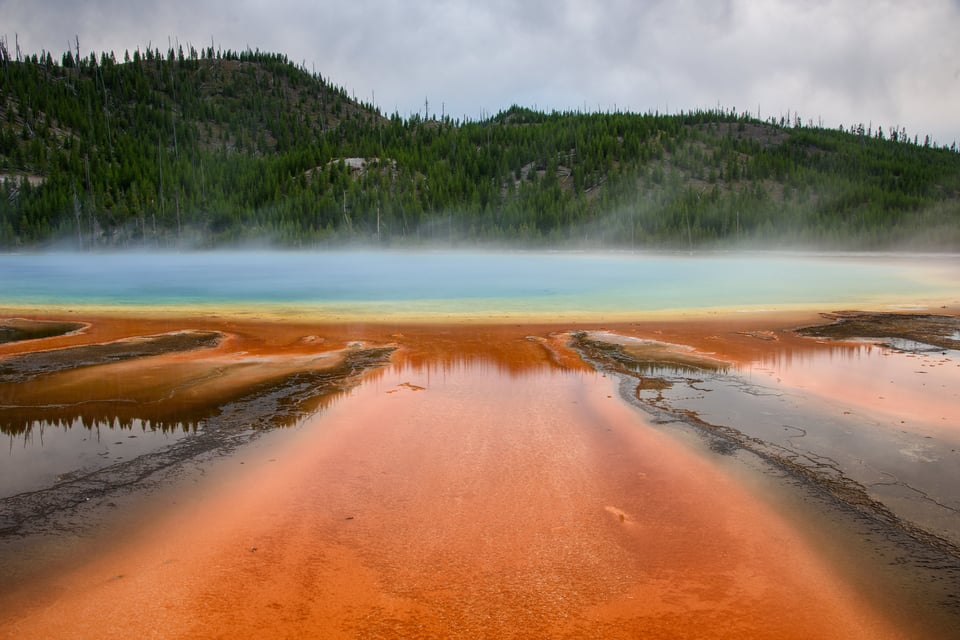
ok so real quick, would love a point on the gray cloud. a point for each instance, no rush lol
(844, 61)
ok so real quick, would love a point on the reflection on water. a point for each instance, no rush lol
(99, 417)
(885, 419)
(513, 359)
(23, 421)
(654, 369)
(917, 390)
(109, 402)
(485, 435)
(468, 505)
(876, 427)
(46, 454)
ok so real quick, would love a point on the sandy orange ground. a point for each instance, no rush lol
(485, 485)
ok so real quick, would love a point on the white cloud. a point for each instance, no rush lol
(843, 60)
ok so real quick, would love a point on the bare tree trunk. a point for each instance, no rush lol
(92, 202)
(76, 213)
(160, 185)
(178, 218)
(106, 111)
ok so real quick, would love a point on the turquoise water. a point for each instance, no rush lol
(472, 282)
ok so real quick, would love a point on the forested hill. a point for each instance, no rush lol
(205, 148)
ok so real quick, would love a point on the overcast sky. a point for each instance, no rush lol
(842, 61)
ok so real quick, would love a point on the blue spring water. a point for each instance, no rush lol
(465, 282)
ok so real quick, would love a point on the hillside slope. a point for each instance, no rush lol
(208, 148)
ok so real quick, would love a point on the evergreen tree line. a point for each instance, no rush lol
(207, 148)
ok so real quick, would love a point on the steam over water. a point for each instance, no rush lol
(467, 282)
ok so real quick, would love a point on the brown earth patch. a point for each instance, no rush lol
(939, 331)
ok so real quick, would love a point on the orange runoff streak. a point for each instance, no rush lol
(462, 500)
